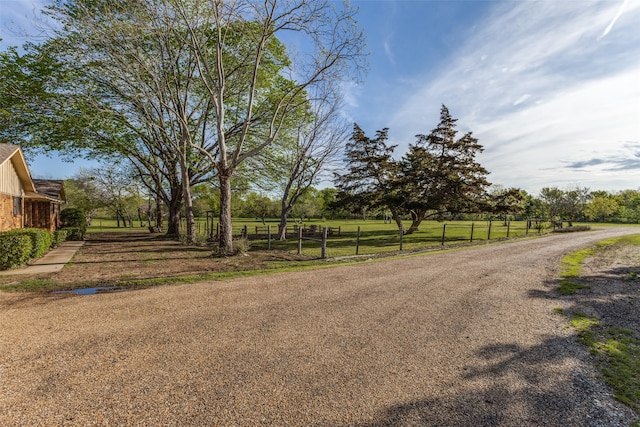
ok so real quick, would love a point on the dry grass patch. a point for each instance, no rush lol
(140, 259)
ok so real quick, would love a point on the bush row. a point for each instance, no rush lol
(17, 247)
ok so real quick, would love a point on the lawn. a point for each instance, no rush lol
(134, 258)
(375, 236)
(603, 312)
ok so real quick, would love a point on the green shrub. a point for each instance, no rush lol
(74, 233)
(40, 239)
(58, 237)
(74, 220)
(73, 217)
(572, 229)
(15, 249)
(241, 246)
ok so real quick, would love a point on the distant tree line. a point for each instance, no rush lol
(101, 193)
(438, 178)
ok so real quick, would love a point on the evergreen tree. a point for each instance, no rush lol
(370, 182)
(440, 175)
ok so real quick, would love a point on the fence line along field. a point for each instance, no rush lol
(351, 237)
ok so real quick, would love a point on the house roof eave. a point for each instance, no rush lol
(22, 170)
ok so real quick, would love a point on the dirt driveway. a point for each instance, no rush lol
(462, 338)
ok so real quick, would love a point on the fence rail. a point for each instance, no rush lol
(311, 238)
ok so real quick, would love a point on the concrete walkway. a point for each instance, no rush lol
(52, 262)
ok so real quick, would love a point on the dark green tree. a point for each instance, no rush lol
(440, 175)
(370, 182)
(575, 202)
(505, 201)
(553, 200)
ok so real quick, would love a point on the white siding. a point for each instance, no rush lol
(9, 181)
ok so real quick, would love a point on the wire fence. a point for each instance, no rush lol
(347, 239)
(324, 241)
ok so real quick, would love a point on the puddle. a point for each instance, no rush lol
(91, 291)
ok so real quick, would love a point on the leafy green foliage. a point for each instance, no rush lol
(372, 171)
(601, 207)
(438, 177)
(74, 223)
(40, 239)
(15, 249)
(58, 236)
(440, 174)
(73, 217)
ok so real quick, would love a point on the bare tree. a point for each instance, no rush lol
(138, 76)
(116, 189)
(238, 76)
(298, 161)
(191, 89)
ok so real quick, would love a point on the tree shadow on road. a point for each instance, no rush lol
(514, 386)
(551, 384)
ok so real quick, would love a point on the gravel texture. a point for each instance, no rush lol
(460, 338)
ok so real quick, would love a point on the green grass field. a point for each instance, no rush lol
(617, 349)
(375, 235)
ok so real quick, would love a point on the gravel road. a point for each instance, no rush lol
(460, 338)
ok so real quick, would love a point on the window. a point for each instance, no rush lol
(17, 206)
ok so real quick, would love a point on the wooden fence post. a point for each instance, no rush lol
(401, 236)
(268, 237)
(299, 240)
(508, 227)
(471, 238)
(323, 252)
(444, 230)
(358, 241)
(489, 232)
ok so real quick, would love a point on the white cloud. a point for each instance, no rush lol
(389, 52)
(522, 99)
(578, 125)
(615, 18)
(539, 86)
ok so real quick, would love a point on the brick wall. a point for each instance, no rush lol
(7, 220)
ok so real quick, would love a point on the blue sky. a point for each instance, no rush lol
(551, 88)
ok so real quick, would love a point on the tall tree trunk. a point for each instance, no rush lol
(416, 220)
(284, 214)
(188, 203)
(191, 223)
(159, 214)
(173, 221)
(175, 206)
(226, 231)
(397, 219)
